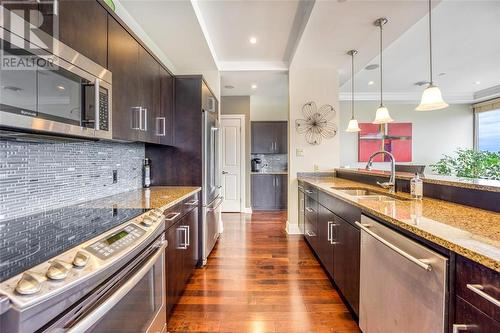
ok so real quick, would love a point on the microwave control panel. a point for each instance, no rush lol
(103, 109)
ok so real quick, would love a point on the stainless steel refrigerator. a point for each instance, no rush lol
(212, 199)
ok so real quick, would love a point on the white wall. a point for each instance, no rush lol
(270, 106)
(321, 86)
(434, 133)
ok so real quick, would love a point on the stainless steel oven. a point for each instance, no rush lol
(47, 87)
(114, 282)
(131, 301)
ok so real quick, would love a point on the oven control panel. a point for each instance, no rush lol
(116, 242)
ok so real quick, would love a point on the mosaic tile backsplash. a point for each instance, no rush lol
(38, 176)
(273, 162)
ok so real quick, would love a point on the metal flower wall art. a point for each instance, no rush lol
(316, 124)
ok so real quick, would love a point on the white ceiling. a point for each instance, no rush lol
(275, 24)
(173, 26)
(269, 83)
(466, 47)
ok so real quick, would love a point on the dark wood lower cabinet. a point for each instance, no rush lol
(335, 241)
(269, 192)
(346, 258)
(181, 256)
(470, 319)
(325, 225)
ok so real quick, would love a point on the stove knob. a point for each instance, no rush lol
(81, 259)
(57, 270)
(28, 284)
(147, 221)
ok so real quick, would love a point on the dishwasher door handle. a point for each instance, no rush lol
(393, 247)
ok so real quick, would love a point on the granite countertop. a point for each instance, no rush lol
(471, 232)
(472, 183)
(29, 240)
(270, 173)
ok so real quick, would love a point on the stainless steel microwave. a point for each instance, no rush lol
(46, 87)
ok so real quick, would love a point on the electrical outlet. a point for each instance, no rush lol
(115, 176)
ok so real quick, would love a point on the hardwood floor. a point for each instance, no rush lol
(259, 279)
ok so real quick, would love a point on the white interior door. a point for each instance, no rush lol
(231, 163)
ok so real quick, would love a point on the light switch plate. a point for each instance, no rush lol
(299, 152)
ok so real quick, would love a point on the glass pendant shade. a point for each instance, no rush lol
(431, 99)
(382, 116)
(353, 126)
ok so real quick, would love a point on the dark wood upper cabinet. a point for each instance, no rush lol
(269, 137)
(123, 58)
(81, 24)
(165, 121)
(149, 95)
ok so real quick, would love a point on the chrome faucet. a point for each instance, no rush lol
(391, 184)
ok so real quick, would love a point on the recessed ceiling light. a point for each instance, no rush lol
(370, 83)
(371, 67)
(229, 86)
(477, 82)
(253, 40)
(61, 87)
(254, 86)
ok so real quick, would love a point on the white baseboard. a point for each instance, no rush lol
(292, 229)
(247, 210)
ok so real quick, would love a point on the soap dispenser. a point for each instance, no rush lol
(416, 187)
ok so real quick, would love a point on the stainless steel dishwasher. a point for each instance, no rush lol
(402, 283)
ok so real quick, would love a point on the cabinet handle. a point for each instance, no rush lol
(331, 226)
(309, 191)
(192, 203)
(163, 128)
(187, 236)
(145, 121)
(172, 217)
(461, 327)
(310, 234)
(330, 231)
(182, 245)
(393, 247)
(136, 110)
(310, 210)
(478, 289)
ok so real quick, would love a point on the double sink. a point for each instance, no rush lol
(364, 193)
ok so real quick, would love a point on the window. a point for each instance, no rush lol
(487, 126)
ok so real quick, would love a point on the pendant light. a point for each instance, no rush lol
(382, 115)
(353, 123)
(431, 97)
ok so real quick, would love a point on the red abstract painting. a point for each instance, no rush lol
(394, 137)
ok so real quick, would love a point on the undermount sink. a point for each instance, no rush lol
(364, 193)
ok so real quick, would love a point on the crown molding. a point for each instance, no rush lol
(230, 66)
(456, 98)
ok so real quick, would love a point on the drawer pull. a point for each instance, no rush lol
(192, 203)
(310, 234)
(172, 216)
(309, 191)
(310, 210)
(478, 289)
(461, 327)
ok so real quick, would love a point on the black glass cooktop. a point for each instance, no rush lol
(30, 240)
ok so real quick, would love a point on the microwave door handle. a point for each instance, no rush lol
(96, 104)
(88, 321)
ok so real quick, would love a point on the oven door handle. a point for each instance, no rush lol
(93, 317)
